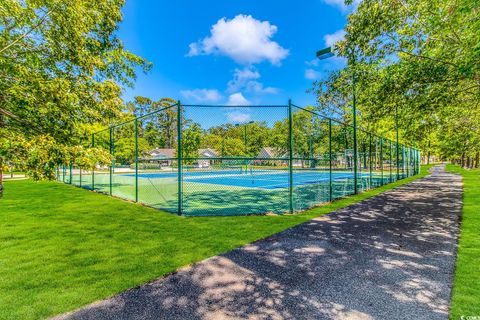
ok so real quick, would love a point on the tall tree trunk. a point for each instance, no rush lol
(463, 160)
(477, 159)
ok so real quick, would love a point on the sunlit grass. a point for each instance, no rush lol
(466, 288)
(62, 247)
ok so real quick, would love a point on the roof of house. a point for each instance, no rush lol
(268, 152)
(208, 152)
(159, 153)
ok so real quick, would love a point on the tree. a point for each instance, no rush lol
(159, 128)
(124, 152)
(417, 61)
(308, 135)
(191, 140)
(62, 69)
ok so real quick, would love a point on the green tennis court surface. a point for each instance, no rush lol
(233, 191)
(264, 179)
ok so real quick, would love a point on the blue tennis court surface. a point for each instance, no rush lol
(267, 179)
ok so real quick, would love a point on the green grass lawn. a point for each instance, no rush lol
(466, 287)
(62, 247)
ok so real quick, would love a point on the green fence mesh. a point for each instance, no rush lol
(200, 160)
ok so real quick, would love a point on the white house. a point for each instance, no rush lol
(206, 153)
(166, 156)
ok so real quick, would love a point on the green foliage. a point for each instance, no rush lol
(191, 140)
(88, 158)
(415, 60)
(125, 149)
(62, 71)
(159, 129)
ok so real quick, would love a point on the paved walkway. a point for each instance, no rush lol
(389, 257)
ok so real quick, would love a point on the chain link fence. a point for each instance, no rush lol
(201, 160)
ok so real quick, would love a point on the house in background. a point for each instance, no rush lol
(165, 157)
(268, 152)
(272, 153)
(206, 153)
(162, 156)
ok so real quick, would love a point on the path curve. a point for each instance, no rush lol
(389, 257)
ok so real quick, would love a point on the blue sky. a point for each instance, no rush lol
(231, 52)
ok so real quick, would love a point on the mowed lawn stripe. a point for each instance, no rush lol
(466, 286)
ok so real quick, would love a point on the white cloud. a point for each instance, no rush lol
(202, 95)
(313, 63)
(237, 99)
(331, 39)
(247, 79)
(244, 39)
(311, 74)
(238, 116)
(241, 77)
(340, 4)
(257, 87)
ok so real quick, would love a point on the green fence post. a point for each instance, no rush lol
(398, 158)
(346, 147)
(409, 162)
(415, 160)
(290, 155)
(136, 159)
(419, 162)
(415, 155)
(370, 158)
(414, 169)
(330, 152)
(354, 111)
(391, 176)
(402, 169)
(179, 155)
(93, 170)
(111, 165)
(381, 159)
(71, 174)
(355, 160)
(405, 161)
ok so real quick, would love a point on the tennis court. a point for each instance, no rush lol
(264, 179)
(199, 162)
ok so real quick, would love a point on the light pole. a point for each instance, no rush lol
(325, 54)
